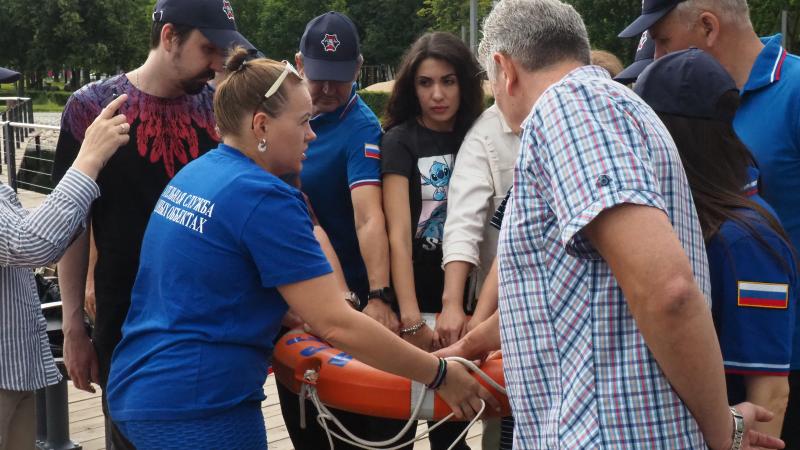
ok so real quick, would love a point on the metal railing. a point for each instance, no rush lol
(16, 109)
(37, 144)
(375, 74)
(32, 147)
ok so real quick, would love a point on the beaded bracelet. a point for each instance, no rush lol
(412, 330)
(441, 373)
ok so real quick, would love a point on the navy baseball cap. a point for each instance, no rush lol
(8, 76)
(214, 18)
(652, 12)
(330, 48)
(687, 83)
(645, 53)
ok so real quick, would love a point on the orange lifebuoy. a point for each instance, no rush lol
(345, 383)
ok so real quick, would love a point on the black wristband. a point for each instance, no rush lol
(441, 373)
(385, 294)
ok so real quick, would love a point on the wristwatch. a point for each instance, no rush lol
(385, 294)
(738, 429)
(353, 299)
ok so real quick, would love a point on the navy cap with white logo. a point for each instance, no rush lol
(214, 18)
(652, 12)
(645, 53)
(330, 48)
(8, 76)
(687, 83)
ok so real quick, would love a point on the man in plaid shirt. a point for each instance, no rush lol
(607, 335)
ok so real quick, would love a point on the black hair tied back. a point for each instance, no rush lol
(237, 60)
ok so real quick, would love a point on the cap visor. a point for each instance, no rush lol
(644, 22)
(324, 70)
(632, 72)
(8, 76)
(226, 39)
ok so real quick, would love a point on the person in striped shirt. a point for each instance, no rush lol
(29, 239)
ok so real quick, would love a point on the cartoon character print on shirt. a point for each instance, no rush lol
(165, 133)
(435, 179)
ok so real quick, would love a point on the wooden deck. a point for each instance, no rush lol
(86, 421)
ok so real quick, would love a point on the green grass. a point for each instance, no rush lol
(47, 107)
(41, 103)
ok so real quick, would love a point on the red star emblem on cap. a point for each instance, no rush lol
(227, 9)
(330, 42)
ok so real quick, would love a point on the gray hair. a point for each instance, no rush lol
(731, 11)
(535, 33)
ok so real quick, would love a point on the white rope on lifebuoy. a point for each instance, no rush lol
(325, 415)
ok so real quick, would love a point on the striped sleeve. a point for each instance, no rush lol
(497, 218)
(32, 239)
(364, 156)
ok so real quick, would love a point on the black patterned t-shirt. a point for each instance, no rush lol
(166, 134)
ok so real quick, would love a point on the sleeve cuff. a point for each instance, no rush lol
(461, 253)
(365, 182)
(296, 276)
(572, 239)
(79, 187)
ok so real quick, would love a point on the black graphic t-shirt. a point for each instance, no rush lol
(426, 158)
(166, 134)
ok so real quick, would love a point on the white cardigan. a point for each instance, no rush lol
(482, 175)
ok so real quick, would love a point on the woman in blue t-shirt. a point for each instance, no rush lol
(754, 278)
(228, 249)
(436, 98)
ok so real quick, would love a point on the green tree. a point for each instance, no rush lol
(119, 35)
(282, 23)
(449, 15)
(605, 19)
(249, 14)
(387, 28)
(17, 36)
(766, 18)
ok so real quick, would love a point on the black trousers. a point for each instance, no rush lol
(440, 439)
(791, 422)
(365, 427)
(115, 440)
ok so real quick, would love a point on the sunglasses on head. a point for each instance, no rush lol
(288, 68)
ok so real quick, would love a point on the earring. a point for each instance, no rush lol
(262, 145)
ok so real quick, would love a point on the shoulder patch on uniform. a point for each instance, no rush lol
(372, 151)
(763, 295)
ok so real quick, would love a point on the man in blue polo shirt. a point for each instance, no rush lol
(768, 120)
(341, 177)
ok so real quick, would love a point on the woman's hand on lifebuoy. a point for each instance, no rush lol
(450, 326)
(462, 392)
(462, 348)
(380, 311)
(422, 338)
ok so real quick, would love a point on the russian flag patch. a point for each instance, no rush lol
(763, 295)
(372, 151)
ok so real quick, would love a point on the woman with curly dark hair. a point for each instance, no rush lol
(436, 98)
